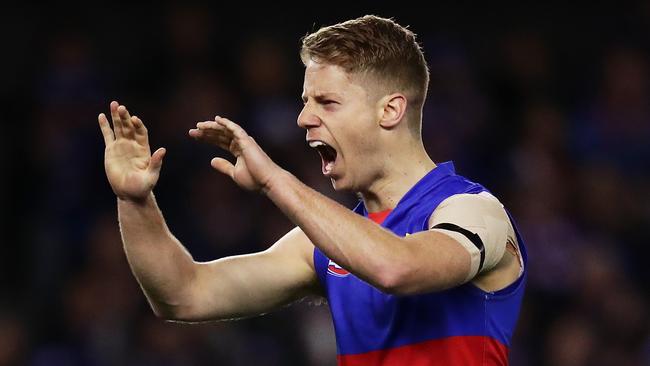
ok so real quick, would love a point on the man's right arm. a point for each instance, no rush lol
(177, 287)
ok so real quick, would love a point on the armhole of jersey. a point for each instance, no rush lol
(320, 266)
(515, 245)
(520, 246)
(514, 287)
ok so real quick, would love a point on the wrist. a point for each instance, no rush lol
(136, 201)
(278, 181)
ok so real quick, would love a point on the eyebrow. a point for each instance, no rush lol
(319, 97)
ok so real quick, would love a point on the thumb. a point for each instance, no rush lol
(156, 160)
(223, 166)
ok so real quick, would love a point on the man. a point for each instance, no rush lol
(427, 270)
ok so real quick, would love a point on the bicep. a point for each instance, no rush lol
(480, 224)
(252, 284)
(467, 236)
(438, 263)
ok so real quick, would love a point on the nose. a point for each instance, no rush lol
(308, 119)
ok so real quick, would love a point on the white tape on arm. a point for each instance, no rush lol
(479, 223)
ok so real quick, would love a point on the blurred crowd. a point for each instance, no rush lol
(547, 107)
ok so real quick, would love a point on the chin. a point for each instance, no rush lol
(336, 184)
(341, 185)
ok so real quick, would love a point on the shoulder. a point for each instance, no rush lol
(479, 222)
(483, 200)
(471, 209)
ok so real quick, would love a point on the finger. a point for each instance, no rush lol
(216, 129)
(195, 133)
(141, 134)
(210, 130)
(223, 166)
(201, 134)
(125, 118)
(211, 136)
(156, 160)
(210, 125)
(115, 117)
(206, 124)
(107, 132)
(231, 126)
(235, 147)
(222, 140)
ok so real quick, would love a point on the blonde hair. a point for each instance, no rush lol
(378, 47)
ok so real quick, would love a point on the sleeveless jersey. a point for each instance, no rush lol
(460, 326)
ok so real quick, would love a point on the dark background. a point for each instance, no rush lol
(546, 105)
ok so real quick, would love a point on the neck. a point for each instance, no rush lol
(400, 173)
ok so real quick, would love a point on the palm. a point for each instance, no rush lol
(242, 175)
(126, 164)
(130, 168)
(253, 168)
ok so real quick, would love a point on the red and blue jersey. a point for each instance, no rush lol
(460, 326)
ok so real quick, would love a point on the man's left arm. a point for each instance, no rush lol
(422, 262)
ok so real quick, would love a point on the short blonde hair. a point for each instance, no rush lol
(376, 46)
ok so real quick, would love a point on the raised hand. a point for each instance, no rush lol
(130, 168)
(253, 170)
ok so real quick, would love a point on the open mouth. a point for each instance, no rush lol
(327, 153)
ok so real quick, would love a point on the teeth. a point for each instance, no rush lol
(316, 143)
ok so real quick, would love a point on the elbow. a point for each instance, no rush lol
(173, 313)
(394, 282)
(179, 305)
(407, 281)
(166, 313)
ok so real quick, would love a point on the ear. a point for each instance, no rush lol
(392, 110)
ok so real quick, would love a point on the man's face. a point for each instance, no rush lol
(341, 122)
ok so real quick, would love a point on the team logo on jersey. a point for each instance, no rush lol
(336, 270)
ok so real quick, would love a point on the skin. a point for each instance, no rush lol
(377, 157)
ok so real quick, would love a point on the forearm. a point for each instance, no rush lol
(158, 260)
(357, 244)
